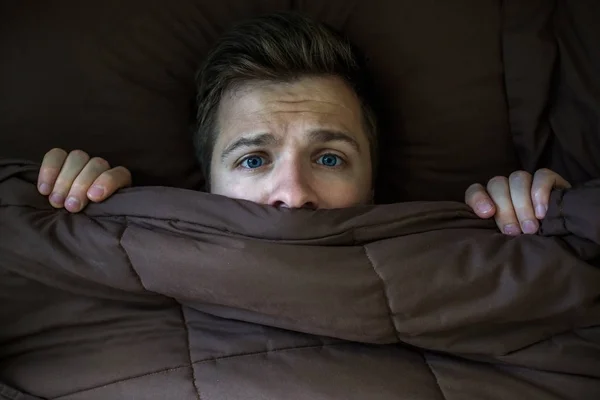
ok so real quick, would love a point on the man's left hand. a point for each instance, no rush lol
(518, 202)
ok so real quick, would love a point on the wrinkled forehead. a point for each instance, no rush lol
(307, 103)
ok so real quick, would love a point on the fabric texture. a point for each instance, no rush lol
(171, 293)
(575, 109)
(553, 85)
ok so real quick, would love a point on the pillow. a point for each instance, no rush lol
(574, 149)
(554, 125)
(116, 79)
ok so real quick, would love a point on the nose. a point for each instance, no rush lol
(293, 189)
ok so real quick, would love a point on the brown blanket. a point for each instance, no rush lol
(167, 293)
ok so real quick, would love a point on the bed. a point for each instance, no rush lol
(167, 292)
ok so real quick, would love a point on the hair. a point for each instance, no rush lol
(281, 47)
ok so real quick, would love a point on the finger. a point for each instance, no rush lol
(77, 198)
(544, 180)
(505, 217)
(478, 199)
(108, 183)
(51, 165)
(73, 165)
(520, 193)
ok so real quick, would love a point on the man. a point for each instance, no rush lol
(285, 119)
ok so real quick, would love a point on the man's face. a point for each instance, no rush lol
(298, 144)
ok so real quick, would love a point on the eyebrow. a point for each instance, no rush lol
(328, 135)
(259, 140)
(268, 139)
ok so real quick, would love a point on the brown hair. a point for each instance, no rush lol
(278, 47)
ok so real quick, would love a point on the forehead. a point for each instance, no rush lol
(288, 107)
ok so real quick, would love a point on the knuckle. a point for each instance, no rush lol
(61, 187)
(497, 180)
(48, 171)
(99, 162)
(116, 178)
(475, 187)
(57, 152)
(473, 190)
(108, 179)
(80, 155)
(506, 217)
(124, 173)
(524, 212)
(54, 158)
(539, 195)
(77, 190)
(506, 209)
(519, 176)
(545, 176)
(545, 171)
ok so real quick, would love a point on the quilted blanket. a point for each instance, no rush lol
(162, 293)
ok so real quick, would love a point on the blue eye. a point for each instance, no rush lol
(253, 162)
(330, 160)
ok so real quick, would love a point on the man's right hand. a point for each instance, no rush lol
(72, 180)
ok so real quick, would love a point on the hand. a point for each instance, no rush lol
(516, 202)
(72, 180)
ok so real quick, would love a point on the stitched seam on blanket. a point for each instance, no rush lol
(258, 353)
(129, 262)
(463, 214)
(129, 378)
(189, 350)
(9, 393)
(162, 371)
(385, 294)
(437, 382)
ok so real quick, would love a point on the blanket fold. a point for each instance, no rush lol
(428, 275)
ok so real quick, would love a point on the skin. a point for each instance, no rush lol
(72, 180)
(308, 138)
(294, 145)
(516, 202)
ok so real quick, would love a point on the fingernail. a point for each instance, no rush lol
(57, 198)
(530, 226)
(484, 206)
(512, 229)
(45, 189)
(72, 204)
(96, 192)
(540, 211)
